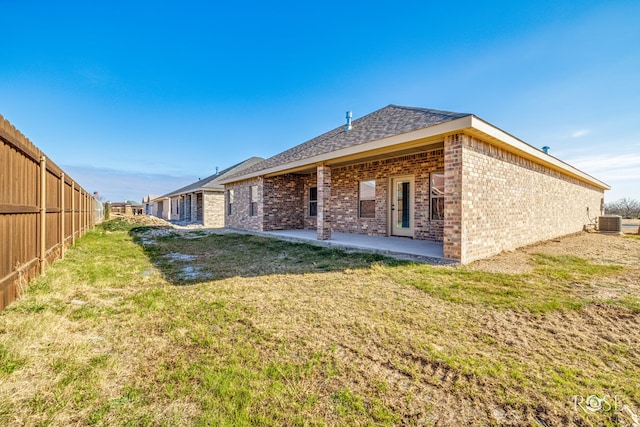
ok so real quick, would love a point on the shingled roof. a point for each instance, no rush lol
(388, 121)
(212, 183)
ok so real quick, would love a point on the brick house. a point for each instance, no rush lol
(128, 208)
(419, 173)
(201, 202)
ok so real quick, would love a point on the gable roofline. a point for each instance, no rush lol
(381, 124)
(469, 124)
(515, 145)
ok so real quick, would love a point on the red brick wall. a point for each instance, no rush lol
(344, 195)
(283, 202)
(345, 187)
(286, 198)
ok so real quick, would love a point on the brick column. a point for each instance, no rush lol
(324, 202)
(452, 236)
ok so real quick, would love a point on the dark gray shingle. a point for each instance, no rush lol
(388, 121)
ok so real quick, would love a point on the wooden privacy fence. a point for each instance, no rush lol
(42, 211)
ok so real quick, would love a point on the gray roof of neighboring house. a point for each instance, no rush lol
(212, 183)
(388, 121)
(131, 203)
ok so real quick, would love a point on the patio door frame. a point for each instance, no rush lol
(394, 230)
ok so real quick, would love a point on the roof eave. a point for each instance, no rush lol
(509, 142)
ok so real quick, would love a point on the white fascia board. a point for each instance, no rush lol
(531, 151)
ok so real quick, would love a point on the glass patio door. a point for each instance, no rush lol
(402, 206)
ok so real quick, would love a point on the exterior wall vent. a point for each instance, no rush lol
(610, 224)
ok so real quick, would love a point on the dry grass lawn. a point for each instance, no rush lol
(158, 326)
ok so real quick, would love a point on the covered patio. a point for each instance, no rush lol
(398, 247)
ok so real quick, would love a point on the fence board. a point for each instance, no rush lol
(35, 226)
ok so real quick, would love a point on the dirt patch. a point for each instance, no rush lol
(595, 247)
(142, 219)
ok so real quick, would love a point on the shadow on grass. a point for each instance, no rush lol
(191, 257)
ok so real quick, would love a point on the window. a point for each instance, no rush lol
(313, 201)
(367, 199)
(229, 202)
(253, 207)
(436, 198)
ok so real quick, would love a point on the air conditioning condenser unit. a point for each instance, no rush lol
(610, 224)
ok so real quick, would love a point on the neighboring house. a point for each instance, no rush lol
(128, 208)
(420, 173)
(148, 204)
(201, 202)
(161, 207)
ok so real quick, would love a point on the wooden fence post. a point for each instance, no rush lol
(43, 213)
(73, 212)
(62, 188)
(81, 213)
(86, 212)
(83, 216)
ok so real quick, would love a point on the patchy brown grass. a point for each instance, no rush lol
(263, 332)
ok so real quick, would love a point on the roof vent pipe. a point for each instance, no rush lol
(348, 126)
(546, 149)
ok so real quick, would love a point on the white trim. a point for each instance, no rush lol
(532, 152)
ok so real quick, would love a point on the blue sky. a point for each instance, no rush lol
(132, 98)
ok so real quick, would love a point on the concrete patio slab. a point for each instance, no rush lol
(398, 247)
